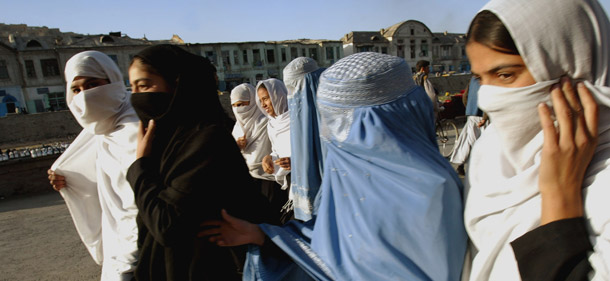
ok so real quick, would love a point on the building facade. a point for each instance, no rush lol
(32, 59)
(413, 41)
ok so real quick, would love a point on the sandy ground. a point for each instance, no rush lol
(38, 241)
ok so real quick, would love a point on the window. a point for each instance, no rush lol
(57, 101)
(270, 56)
(365, 49)
(384, 50)
(313, 53)
(33, 44)
(245, 56)
(226, 59)
(412, 31)
(412, 47)
(303, 52)
(3, 70)
(256, 53)
(424, 48)
(29, 69)
(294, 53)
(337, 53)
(330, 54)
(235, 57)
(211, 55)
(445, 52)
(114, 58)
(106, 39)
(50, 67)
(400, 51)
(283, 54)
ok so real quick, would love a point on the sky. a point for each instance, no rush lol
(239, 20)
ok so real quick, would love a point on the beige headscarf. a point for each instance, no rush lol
(554, 38)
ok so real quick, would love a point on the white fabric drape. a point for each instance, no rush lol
(278, 127)
(554, 38)
(97, 193)
(251, 123)
(468, 136)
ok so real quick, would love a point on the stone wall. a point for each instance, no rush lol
(25, 176)
(32, 129)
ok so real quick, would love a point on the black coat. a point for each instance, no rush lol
(195, 169)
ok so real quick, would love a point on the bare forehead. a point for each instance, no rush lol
(262, 92)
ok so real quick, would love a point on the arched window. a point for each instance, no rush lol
(33, 44)
(106, 39)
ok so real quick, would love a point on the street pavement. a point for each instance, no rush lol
(38, 241)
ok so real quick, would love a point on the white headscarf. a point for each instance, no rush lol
(278, 127)
(97, 193)
(554, 38)
(251, 124)
(99, 109)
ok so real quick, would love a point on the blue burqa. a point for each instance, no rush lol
(390, 206)
(301, 77)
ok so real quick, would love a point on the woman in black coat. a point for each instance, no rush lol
(188, 169)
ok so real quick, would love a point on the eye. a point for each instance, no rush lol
(505, 75)
(75, 91)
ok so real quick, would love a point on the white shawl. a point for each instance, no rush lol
(278, 127)
(555, 38)
(251, 124)
(97, 194)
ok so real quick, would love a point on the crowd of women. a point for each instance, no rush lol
(334, 174)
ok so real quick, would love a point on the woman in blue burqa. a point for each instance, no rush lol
(390, 206)
(301, 77)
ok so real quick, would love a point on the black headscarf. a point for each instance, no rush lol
(192, 76)
(194, 100)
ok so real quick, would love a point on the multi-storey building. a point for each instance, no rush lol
(32, 59)
(413, 41)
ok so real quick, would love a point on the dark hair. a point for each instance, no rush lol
(420, 64)
(487, 29)
(170, 78)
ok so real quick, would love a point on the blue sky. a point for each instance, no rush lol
(239, 20)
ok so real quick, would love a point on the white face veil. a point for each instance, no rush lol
(251, 124)
(98, 109)
(95, 165)
(555, 39)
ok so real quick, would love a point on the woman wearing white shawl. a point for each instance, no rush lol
(533, 180)
(251, 128)
(301, 77)
(278, 128)
(93, 168)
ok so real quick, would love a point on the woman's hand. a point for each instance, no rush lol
(567, 150)
(232, 231)
(241, 142)
(268, 165)
(145, 138)
(284, 163)
(58, 182)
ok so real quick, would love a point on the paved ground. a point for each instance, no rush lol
(38, 241)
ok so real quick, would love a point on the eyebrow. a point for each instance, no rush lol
(87, 80)
(500, 67)
(141, 79)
